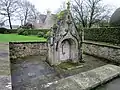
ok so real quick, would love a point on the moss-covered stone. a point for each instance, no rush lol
(68, 65)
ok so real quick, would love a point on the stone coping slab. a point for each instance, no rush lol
(86, 80)
(103, 44)
(27, 42)
(5, 73)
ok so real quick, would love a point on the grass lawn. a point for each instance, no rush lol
(20, 38)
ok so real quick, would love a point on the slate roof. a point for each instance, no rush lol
(43, 17)
(45, 21)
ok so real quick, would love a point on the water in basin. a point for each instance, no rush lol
(112, 85)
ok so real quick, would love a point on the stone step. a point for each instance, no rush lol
(86, 80)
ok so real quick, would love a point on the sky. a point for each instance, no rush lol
(44, 5)
(53, 5)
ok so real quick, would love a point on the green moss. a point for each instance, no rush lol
(61, 15)
(67, 65)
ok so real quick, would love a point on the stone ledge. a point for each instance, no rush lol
(25, 42)
(103, 44)
(86, 80)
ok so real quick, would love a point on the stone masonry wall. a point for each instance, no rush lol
(23, 49)
(102, 50)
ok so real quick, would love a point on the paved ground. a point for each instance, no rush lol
(33, 73)
(5, 76)
(86, 80)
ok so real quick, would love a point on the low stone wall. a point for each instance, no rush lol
(23, 49)
(86, 80)
(102, 50)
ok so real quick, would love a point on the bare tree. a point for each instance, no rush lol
(8, 9)
(27, 12)
(62, 7)
(89, 12)
(2, 22)
(19, 16)
(24, 10)
(34, 15)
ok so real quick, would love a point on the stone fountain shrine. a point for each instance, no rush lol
(64, 43)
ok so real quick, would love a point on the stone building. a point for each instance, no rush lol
(64, 43)
(45, 21)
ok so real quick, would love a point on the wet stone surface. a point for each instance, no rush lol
(5, 75)
(33, 73)
(87, 80)
(112, 85)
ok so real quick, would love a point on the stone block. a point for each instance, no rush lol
(87, 80)
(65, 84)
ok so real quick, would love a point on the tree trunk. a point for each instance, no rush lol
(91, 16)
(90, 25)
(81, 35)
(26, 15)
(9, 21)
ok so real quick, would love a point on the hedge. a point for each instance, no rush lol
(30, 31)
(3, 30)
(109, 35)
(12, 31)
(35, 31)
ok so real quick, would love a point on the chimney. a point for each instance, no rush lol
(48, 12)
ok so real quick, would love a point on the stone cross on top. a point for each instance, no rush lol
(68, 5)
(69, 21)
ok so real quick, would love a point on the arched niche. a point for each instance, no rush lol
(68, 50)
